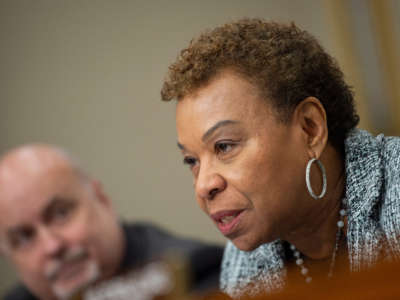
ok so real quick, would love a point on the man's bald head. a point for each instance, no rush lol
(33, 160)
(51, 211)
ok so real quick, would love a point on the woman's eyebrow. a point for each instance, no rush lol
(211, 130)
(219, 124)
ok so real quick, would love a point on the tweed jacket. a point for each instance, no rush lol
(372, 166)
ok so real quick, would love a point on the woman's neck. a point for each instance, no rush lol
(315, 237)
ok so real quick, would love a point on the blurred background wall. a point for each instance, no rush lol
(86, 75)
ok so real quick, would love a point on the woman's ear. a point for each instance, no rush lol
(311, 117)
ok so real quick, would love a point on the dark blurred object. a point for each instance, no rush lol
(159, 266)
(147, 243)
(164, 279)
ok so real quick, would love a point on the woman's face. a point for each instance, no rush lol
(248, 168)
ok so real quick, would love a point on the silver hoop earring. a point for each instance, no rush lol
(309, 188)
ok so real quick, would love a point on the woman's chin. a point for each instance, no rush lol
(245, 244)
(248, 243)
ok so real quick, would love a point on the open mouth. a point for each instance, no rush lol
(227, 220)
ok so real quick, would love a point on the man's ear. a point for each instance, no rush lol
(311, 116)
(100, 194)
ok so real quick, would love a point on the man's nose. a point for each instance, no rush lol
(50, 242)
(209, 183)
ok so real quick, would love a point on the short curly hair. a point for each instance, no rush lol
(285, 63)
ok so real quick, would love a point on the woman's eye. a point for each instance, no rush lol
(223, 147)
(190, 161)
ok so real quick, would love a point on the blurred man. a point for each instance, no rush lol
(59, 230)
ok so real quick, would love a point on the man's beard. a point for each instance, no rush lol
(55, 271)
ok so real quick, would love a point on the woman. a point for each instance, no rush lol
(266, 124)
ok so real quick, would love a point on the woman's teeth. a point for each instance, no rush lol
(226, 220)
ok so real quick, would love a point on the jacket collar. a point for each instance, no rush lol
(363, 172)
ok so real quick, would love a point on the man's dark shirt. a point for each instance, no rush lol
(145, 243)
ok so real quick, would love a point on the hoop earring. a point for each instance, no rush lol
(309, 188)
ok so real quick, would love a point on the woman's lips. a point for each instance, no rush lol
(227, 220)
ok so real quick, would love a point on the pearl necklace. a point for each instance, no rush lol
(300, 261)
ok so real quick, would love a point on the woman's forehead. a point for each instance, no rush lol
(227, 97)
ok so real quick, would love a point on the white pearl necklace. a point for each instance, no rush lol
(300, 261)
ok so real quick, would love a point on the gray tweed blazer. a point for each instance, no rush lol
(373, 210)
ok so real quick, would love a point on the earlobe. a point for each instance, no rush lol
(312, 118)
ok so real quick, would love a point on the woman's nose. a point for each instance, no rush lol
(209, 184)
